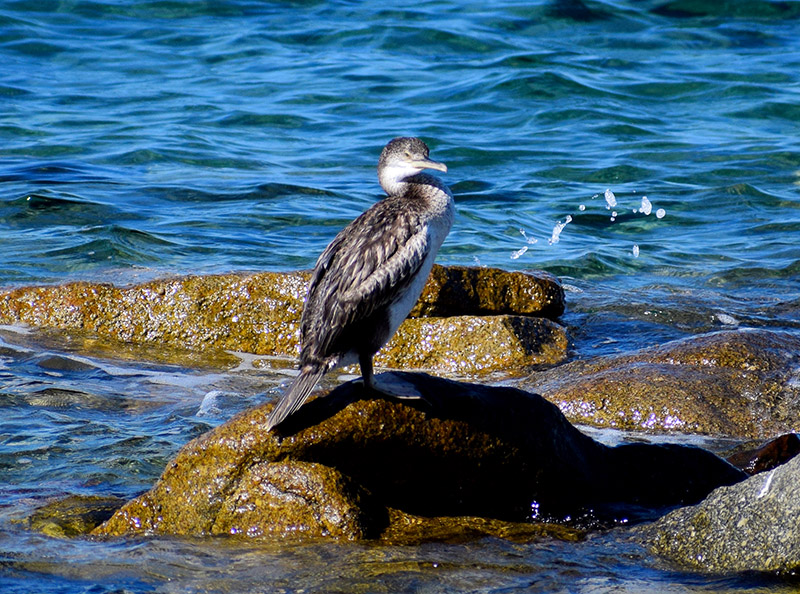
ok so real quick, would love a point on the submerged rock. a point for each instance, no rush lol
(73, 516)
(349, 465)
(750, 526)
(469, 320)
(743, 383)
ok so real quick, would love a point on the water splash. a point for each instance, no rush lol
(530, 240)
(519, 252)
(523, 249)
(554, 238)
(644, 206)
(611, 199)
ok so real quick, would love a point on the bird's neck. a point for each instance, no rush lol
(399, 182)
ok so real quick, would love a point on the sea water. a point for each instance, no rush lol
(141, 139)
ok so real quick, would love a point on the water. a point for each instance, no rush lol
(143, 139)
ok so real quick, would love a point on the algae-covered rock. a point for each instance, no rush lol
(734, 383)
(471, 316)
(73, 516)
(347, 458)
(469, 290)
(405, 529)
(475, 345)
(302, 498)
(750, 526)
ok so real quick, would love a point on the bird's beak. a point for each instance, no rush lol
(429, 164)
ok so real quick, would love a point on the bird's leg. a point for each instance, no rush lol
(389, 386)
(365, 361)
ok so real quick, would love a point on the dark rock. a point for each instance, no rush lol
(750, 526)
(406, 529)
(741, 383)
(767, 456)
(462, 450)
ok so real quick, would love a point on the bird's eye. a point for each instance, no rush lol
(408, 154)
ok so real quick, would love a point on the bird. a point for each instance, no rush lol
(365, 283)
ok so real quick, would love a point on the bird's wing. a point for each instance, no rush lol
(366, 267)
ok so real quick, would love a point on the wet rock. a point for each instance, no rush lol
(766, 456)
(469, 320)
(73, 516)
(302, 498)
(741, 383)
(345, 460)
(406, 529)
(475, 345)
(750, 526)
(467, 290)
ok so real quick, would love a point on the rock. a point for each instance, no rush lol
(740, 383)
(482, 320)
(348, 465)
(750, 526)
(468, 290)
(73, 516)
(766, 456)
(475, 345)
(406, 529)
(299, 497)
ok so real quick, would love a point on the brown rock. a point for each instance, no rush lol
(735, 383)
(301, 498)
(765, 456)
(345, 460)
(475, 345)
(73, 516)
(467, 290)
(260, 314)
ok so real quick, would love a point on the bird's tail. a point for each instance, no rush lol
(298, 393)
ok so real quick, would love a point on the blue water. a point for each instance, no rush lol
(141, 139)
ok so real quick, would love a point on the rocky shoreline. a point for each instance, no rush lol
(468, 457)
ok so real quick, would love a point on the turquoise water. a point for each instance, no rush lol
(152, 138)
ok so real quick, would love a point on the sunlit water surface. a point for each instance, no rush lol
(145, 139)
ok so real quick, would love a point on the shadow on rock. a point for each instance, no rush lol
(348, 463)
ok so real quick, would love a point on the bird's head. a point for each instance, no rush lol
(404, 157)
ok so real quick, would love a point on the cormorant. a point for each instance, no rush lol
(370, 276)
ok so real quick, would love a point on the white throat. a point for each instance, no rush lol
(392, 177)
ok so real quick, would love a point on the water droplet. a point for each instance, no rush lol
(611, 200)
(519, 252)
(554, 238)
